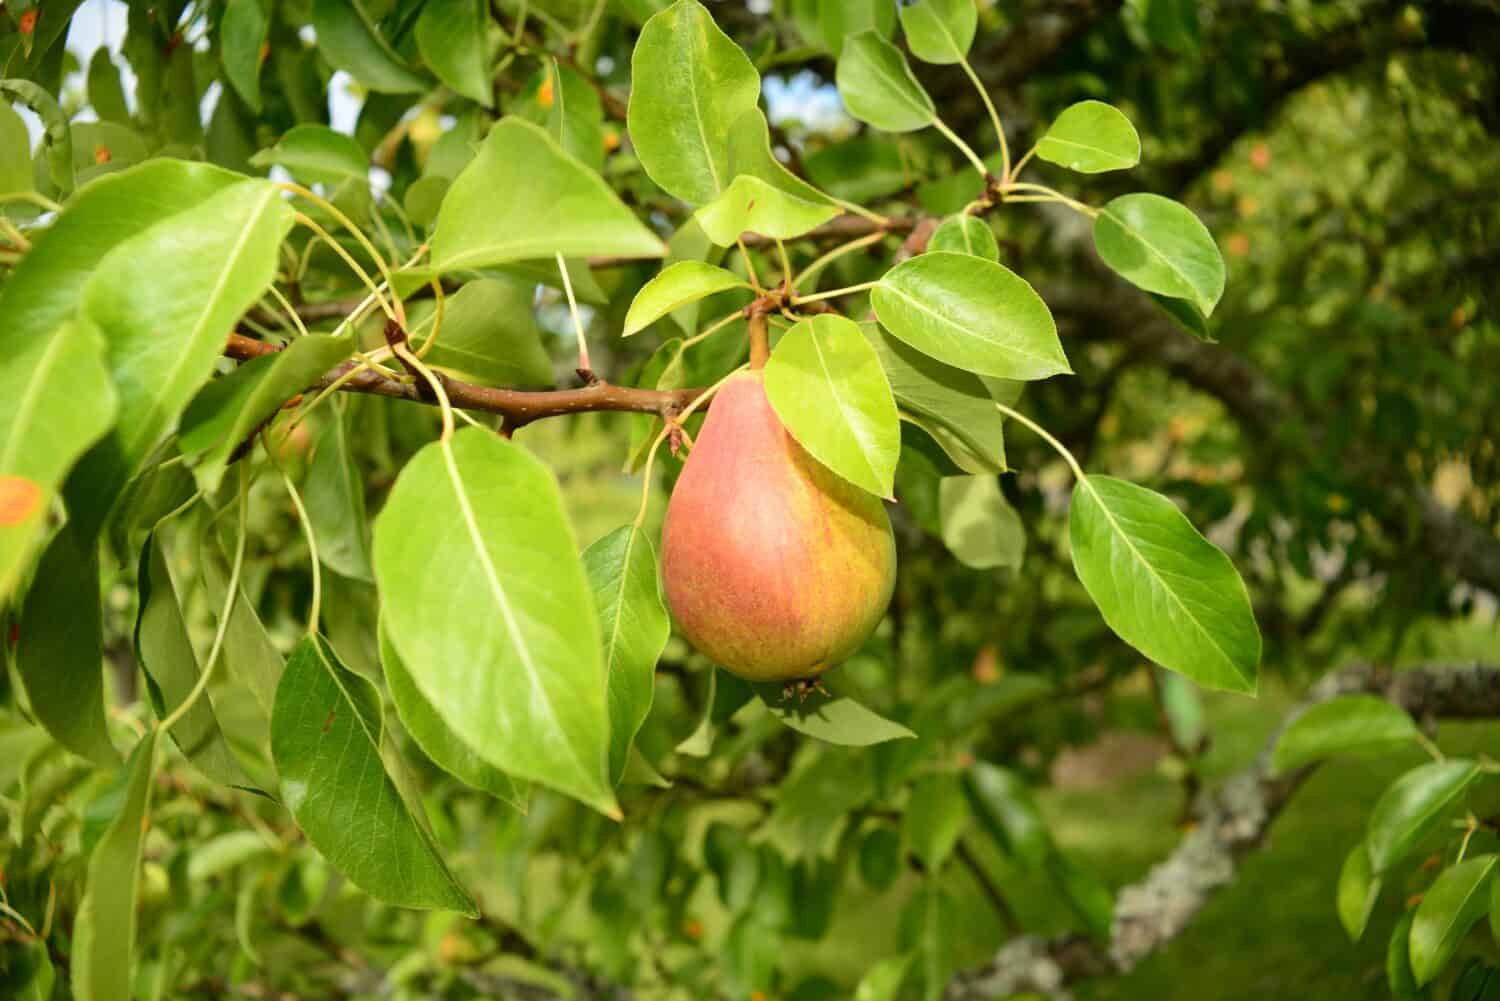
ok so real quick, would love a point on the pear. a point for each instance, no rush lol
(773, 565)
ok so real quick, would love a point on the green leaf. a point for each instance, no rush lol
(568, 209)
(940, 31)
(690, 83)
(15, 153)
(61, 652)
(727, 695)
(1358, 890)
(1398, 971)
(1410, 807)
(621, 569)
(225, 853)
(880, 857)
(317, 154)
(1006, 810)
(1162, 587)
(979, 525)
(1350, 723)
(883, 980)
(678, 285)
(56, 400)
(1091, 137)
(436, 739)
(165, 653)
(838, 19)
(1159, 245)
(878, 86)
(242, 35)
(1085, 893)
(106, 95)
(488, 334)
(451, 38)
(1455, 902)
(349, 39)
(826, 385)
(971, 313)
(750, 205)
(951, 405)
(964, 234)
(1186, 315)
(476, 527)
(834, 718)
(935, 817)
(750, 153)
(576, 115)
(334, 495)
(325, 739)
(929, 925)
(249, 655)
(104, 929)
(164, 299)
(229, 410)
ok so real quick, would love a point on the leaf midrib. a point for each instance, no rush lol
(861, 441)
(1086, 146)
(502, 600)
(29, 399)
(1134, 234)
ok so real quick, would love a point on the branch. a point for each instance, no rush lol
(518, 407)
(1230, 822)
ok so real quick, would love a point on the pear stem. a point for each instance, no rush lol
(760, 339)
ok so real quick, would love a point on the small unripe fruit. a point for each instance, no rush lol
(773, 565)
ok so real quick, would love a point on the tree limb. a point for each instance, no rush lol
(518, 407)
(1230, 822)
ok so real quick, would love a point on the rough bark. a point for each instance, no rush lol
(1229, 822)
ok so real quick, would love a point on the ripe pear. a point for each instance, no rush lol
(773, 565)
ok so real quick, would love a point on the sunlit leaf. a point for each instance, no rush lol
(971, 313)
(964, 234)
(1161, 586)
(690, 83)
(568, 209)
(476, 528)
(678, 285)
(316, 154)
(825, 383)
(878, 86)
(1090, 137)
(1455, 902)
(834, 718)
(1161, 246)
(750, 205)
(940, 31)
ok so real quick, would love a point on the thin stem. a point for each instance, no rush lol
(354, 231)
(833, 255)
(963, 147)
(1470, 826)
(354, 265)
(315, 612)
(712, 328)
(438, 312)
(1015, 171)
(1042, 433)
(433, 381)
(786, 265)
(1050, 194)
(749, 266)
(291, 311)
(834, 293)
(989, 106)
(640, 512)
(14, 235)
(1425, 742)
(31, 196)
(760, 340)
(583, 346)
(223, 627)
(859, 210)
